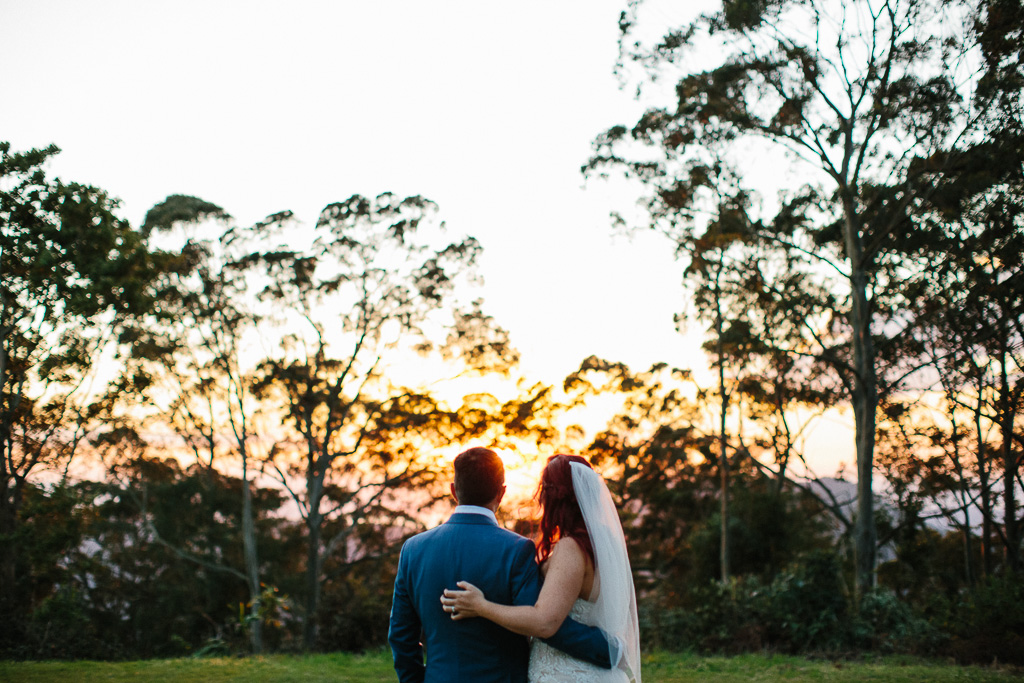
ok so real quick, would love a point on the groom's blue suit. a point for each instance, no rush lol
(471, 547)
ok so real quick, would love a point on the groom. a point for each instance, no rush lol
(471, 546)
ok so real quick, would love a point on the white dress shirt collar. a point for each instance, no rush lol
(476, 510)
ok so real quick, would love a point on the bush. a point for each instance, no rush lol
(806, 605)
(801, 609)
(61, 628)
(886, 624)
(354, 615)
(988, 623)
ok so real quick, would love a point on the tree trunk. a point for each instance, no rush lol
(969, 569)
(9, 556)
(986, 520)
(963, 492)
(782, 456)
(984, 488)
(309, 627)
(1010, 462)
(723, 460)
(865, 401)
(252, 567)
(9, 493)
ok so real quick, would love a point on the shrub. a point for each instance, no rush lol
(988, 624)
(806, 605)
(801, 609)
(354, 615)
(886, 624)
(61, 628)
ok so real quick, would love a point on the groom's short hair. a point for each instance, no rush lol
(479, 476)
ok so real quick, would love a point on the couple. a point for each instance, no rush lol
(465, 589)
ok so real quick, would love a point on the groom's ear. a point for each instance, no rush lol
(452, 487)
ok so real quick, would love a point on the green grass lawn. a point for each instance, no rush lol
(659, 667)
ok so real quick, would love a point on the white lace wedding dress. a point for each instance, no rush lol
(548, 665)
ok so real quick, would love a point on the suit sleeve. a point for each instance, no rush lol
(405, 629)
(587, 643)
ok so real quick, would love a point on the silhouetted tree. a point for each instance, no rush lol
(71, 273)
(196, 348)
(856, 93)
(377, 281)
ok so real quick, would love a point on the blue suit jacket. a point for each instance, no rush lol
(471, 547)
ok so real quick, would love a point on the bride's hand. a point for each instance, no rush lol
(465, 603)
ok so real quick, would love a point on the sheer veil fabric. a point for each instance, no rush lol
(615, 606)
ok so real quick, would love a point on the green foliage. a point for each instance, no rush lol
(987, 624)
(64, 627)
(805, 608)
(52, 524)
(768, 530)
(73, 273)
(884, 623)
(65, 252)
(807, 604)
(738, 15)
(130, 567)
(177, 209)
(355, 609)
(868, 130)
(801, 609)
(927, 563)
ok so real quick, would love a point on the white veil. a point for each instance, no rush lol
(615, 609)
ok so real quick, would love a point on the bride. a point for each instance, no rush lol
(582, 555)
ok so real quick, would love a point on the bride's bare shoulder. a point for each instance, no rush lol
(567, 552)
(569, 559)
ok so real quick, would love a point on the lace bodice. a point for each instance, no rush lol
(548, 665)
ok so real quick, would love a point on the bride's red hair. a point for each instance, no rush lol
(560, 516)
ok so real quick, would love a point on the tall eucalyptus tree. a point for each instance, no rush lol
(378, 281)
(196, 347)
(851, 93)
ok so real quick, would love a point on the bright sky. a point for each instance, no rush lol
(486, 108)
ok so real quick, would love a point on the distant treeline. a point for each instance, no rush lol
(148, 564)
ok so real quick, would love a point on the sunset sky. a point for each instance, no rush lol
(488, 109)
